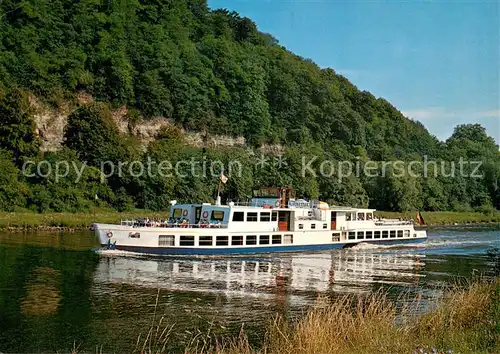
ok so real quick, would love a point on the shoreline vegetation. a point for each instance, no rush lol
(85, 112)
(31, 221)
(465, 319)
(446, 218)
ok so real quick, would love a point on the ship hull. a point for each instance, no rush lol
(147, 240)
(175, 251)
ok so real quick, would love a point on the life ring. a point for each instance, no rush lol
(185, 212)
(205, 214)
(109, 234)
(277, 204)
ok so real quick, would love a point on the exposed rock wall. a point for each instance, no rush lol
(51, 123)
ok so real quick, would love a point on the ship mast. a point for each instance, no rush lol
(222, 180)
(217, 201)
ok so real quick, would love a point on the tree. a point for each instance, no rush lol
(211, 72)
(17, 129)
(92, 133)
(13, 192)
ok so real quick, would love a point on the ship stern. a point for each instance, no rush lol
(104, 235)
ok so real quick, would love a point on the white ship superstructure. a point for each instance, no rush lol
(273, 221)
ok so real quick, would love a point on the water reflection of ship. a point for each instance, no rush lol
(339, 271)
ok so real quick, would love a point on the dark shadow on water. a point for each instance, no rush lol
(45, 297)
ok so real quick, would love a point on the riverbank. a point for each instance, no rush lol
(447, 218)
(30, 221)
(464, 320)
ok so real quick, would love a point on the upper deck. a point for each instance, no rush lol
(270, 215)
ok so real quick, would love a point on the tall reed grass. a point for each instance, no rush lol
(464, 320)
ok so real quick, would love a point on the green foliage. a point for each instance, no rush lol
(205, 69)
(210, 71)
(12, 190)
(391, 191)
(92, 133)
(17, 130)
(71, 188)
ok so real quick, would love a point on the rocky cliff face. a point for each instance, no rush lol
(51, 123)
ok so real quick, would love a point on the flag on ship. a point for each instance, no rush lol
(223, 178)
(420, 219)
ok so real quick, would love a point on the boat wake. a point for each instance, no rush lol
(374, 246)
(440, 243)
(432, 244)
(118, 253)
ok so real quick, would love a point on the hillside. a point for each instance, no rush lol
(155, 73)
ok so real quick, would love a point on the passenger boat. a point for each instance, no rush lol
(273, 221)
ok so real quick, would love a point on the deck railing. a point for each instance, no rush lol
(261, 204)
(387, 222)
(256, 204)
(160, 224)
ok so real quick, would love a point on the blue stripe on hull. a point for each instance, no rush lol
(252, 250)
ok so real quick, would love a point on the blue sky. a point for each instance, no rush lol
(436, 61)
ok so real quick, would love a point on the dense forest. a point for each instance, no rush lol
(210, 71)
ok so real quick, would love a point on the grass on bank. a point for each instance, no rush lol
(445, 218)
(25, 220)
(465, 320)
(33, 221)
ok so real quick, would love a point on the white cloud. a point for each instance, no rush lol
(441, 112)
(429, 113)
(494, 113)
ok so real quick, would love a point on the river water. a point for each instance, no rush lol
(57, 294)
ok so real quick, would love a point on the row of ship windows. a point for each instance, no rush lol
(362, 235)
(359, 217)
(313, 226)
(254, 216)
(188, 240)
